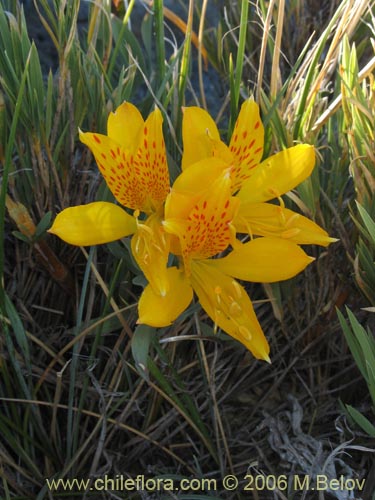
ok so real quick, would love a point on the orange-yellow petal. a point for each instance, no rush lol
(206, 230)
(139, 179)
(123, 177)
(156, 310)
(264, 260)
(199, 176)
(265, 219)
(151, 159)
(198, 133)
(93, 224)
(279, 174)
(150, 248)
(178, 205)
(229, 306)
(125, 125)
(246, 143)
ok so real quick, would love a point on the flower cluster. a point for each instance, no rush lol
(222, 191)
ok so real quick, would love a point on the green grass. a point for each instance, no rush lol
(84, 391)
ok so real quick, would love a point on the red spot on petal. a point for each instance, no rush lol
(257, 125)
(244, 134)
(96, 138)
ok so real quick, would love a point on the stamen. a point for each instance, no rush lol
(277, 195)
(217, 314)
(235, 309)
(282, 216)
(290, 233)
(146, 229)
(218, 292)
(292, 220)
(146, 259)
(248, 228)
(237, 289)
(137, 244)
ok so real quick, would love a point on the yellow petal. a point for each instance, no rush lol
(156, 310)
(125, 125)
(279, 174)
(200, 176)
(206, 230)
(229, 306)
(264, 260)
(191, 185)
(198, 132)
(246, 143)
(138, 181)
(150, 248)
(265, 219)
(151, 160)
(93, 224)
(178, 205)
(123, 177)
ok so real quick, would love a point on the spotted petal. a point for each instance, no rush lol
(279, 174)
(246, 143)
(152, 159)
(264, 260)
(156, 310)
(206, 230)
(229, 306)
(93, 224)
(265, 219)
(138, 177)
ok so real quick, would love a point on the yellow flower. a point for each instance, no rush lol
(132, 160)
(222, 191)
(255, 182)
(201, 226)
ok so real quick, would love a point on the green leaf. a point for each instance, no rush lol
(18, 329)
(361, 420)
(368, 221)
(362, 346)
(141, 341)
(21, 237)
(43, 225)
